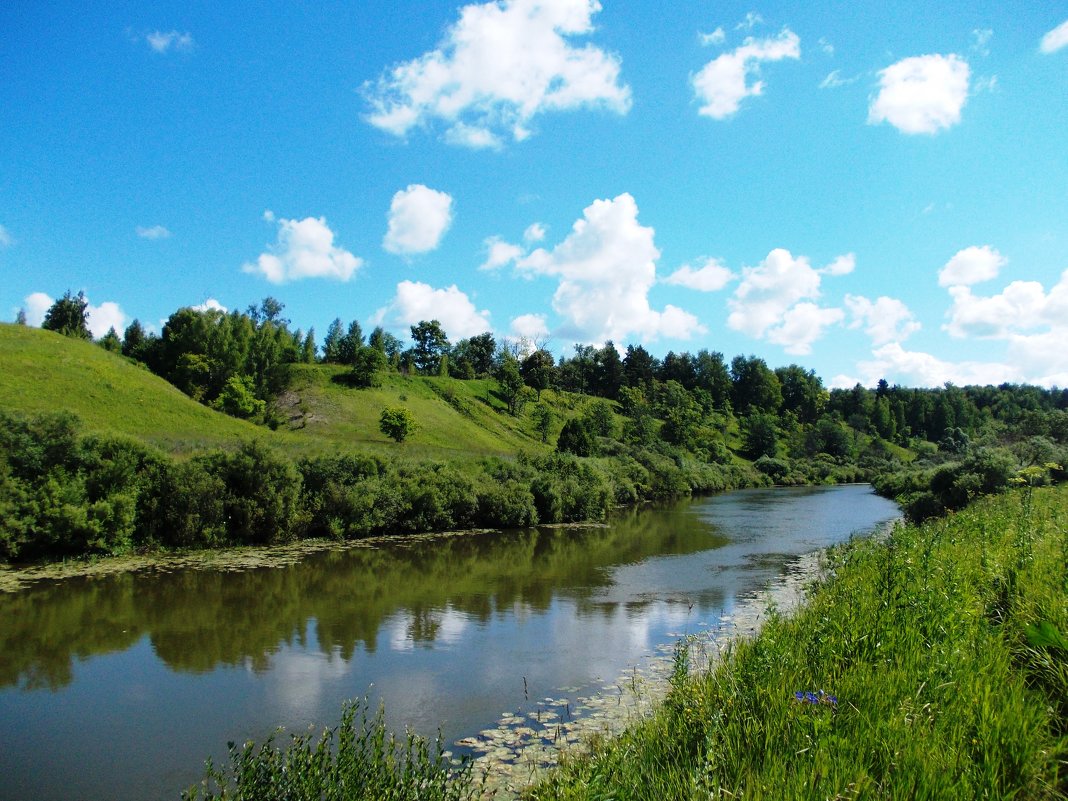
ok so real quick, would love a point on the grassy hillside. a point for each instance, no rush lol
(45, 372)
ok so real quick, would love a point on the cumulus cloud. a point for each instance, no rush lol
(5, 238)
(712, 276)
(802, 325)
(1055, 39)
(774, 301)
(98, 319)
(36, 304)
(155, 232)
(418, 219)
(500, 253)
(973, 265)
(981, 40)
(921, 94)
(723, 83)
(499, 66)
(171, 40)
(917, 368)
(884, 319)
(415, 301)
(606, 267)
(529, 326)
(304, 249)
(1022, 306)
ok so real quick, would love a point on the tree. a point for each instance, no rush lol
(607, 371)
(69, 316)
(639, 367)
(133, 341)
(332, 344)
(802, 392)
(20, 318)
(479, 352)
(754, 385)
(514, 391)
(366, 365)
(397, 423)
(538, 370)
(307, 348)
(110, 341)
(350, 343)
(575, 438)
(760, 435)
(383, 341)
(543, 420)
(238, 399)
(430, 344)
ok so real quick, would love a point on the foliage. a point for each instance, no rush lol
(359, 761)
(575, 437)
(69, 316)
(397, 423)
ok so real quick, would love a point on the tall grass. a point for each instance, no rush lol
(360, 761)
(943, 664)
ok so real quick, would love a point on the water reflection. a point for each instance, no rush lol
(117, 687)
(198, 620)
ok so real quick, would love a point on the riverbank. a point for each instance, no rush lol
(933, 664)
(523, 749)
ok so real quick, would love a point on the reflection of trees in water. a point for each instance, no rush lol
(198, 620)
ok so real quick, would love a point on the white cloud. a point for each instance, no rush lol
(418, 219)
(762, 304)
(606, 267)
(211, 304)
(718, 36)
(802, 325)
(155, 232)
(304, 249)
(36, 305)
(843, 265)
(171, 40)
(973, 265)
(712, 276)
(535, 233)
(722, 83)
(499, 253)
(416, 301)
(916, 368)
(529, 326)
(921, 94)
(499, 66)
(99, 319)
(5, 238)
(826, 46)
(1021, 306)
(1055, 39)
(884, 320)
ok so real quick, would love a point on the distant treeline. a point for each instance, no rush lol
(63, 493)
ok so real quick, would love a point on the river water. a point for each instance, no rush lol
(118, 687)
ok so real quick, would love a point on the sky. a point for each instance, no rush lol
(869, 190)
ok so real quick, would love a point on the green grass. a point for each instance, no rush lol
(45, 372)
(457, 420)
(929, 641)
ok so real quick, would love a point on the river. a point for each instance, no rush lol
(118, 687)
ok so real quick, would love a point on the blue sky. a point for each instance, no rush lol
(869, 190)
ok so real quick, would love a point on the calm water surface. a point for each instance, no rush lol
(118, 687)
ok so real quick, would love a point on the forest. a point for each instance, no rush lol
(610, 426)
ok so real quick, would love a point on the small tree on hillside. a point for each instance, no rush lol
(366, 365)
(69, 316)
(396, 423)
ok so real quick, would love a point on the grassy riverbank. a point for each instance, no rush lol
(937, 666)
(930, 664)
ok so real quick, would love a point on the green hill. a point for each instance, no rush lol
(45, 372)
